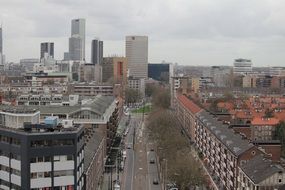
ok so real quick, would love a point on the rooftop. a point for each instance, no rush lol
(234, 142)
(264, 121)
(91, 148)
(258, 169)
(189, 104)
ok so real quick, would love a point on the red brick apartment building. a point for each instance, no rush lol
(224, 151)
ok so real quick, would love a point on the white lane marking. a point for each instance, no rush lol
(148, 172)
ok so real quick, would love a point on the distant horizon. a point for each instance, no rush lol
(184, 32)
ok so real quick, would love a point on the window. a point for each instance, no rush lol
(63, 173)
(280, 180)
(69, 157)
(56, 158)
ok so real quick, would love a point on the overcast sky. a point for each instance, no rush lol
(189, 32)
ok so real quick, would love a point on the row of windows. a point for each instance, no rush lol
(69, 187)
(49, 143)
(10, 155)
(8, 184)
(49, 158)
(10, 170)
(36, 175)
(9, 140)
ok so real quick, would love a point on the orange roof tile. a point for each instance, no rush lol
(225, 105)
(264, 121)
(190, 105)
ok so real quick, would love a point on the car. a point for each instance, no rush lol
(155, 181)
(152, 161)
(129, 146)
(151, 149)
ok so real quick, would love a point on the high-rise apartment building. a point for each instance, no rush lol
(137, 56)
(77, 34)
(47, 47)
(96, 51)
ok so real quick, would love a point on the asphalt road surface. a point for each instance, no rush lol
(139, 173)
(129, 165)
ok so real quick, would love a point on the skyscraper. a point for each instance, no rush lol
(78, 31)
(47, 47)
(75, 48)
(137, 55)
(97, 51)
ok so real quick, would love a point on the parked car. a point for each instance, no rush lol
(152, 161)
(155, 181)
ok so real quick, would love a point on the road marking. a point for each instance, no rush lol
(140, 168)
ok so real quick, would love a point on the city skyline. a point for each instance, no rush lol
(182, 32)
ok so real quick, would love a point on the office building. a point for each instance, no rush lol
(48, 49)
(75, 48)
(96, 51)
(42, 156)
(137, 84)
(159, 71)
(242, 67)
(137, 55)
(120, 70)
(78, 32)
(107, 69)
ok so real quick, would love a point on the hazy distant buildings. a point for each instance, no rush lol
(277, 71)
(220, 75)
(47, 48)
(28, 64)
(77, 40)
(242, 66)
(137, 55)
(96, 51)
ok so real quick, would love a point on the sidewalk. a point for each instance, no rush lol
(106, 184)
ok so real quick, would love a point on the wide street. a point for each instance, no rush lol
(139, 173)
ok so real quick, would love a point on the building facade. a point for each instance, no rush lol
(75, 48)
(78, 32)
(96, 51)
(225, 152)
(47, 48)
(41, 156)
(159, 71)
(242, 67)
(90, 89)
(137, 55)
